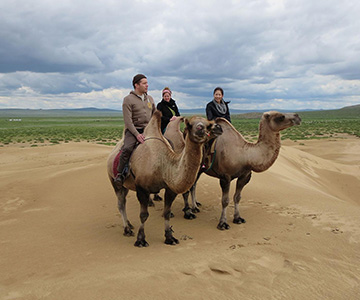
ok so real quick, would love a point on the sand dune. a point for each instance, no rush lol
(61, 234)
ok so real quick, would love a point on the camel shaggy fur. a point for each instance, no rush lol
(237, 158)
(154, 166)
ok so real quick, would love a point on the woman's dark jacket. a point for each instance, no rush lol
(164, 106)
(212, 113)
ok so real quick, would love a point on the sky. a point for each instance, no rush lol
(265, 54)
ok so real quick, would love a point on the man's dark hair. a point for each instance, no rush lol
(137, 78)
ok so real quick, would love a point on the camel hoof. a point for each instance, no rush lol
(171, 241)
(151, 203)
(239, 220)
(188, 215)
(128, 231)
(157, 198)
(223, 225)
(195, 210)
(141, 243)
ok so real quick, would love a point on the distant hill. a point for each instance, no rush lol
(348, 112)
(345, 112)
(76, 112)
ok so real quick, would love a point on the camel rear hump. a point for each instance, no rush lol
(154, 126)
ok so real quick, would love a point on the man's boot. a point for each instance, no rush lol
(121, 175)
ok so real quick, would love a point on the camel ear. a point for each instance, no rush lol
(266, 116)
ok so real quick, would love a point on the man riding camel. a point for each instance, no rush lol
(138, 107)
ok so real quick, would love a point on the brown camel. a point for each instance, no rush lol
(176, 138)
(154, 166)
(237, 158)
(177, 142)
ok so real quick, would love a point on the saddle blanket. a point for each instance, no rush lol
(116, 163)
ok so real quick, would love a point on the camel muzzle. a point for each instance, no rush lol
(296, 120)
(200, 130)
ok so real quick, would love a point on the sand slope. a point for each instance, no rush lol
(61, 234)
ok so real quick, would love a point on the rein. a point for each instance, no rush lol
(155, 138)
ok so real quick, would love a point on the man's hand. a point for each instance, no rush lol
(173, 118)
(141, 138)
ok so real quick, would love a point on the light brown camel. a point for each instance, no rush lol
(176, 138)
(237, 158)
(154, 166)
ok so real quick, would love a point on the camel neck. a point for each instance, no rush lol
(189, 165)
(265, 151)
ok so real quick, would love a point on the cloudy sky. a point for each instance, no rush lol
(266, 54)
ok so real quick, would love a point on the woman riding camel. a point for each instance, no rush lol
(168, 108)
(218, 107)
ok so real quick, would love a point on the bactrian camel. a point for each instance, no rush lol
(154, 166)
(237, 158)
(176, 137)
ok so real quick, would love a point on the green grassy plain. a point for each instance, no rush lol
(108, 129)
(53, 130)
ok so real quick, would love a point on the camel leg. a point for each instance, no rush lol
(169, 198)
(143, 197)
(241, 182)
(225, 186)
(121, 193)
(190, 213)
(195, 204)
(187, 210)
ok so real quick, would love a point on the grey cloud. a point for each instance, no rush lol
(256, 50)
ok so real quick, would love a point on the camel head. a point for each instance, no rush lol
(279, 121)
(200, 129)
(215, 131)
